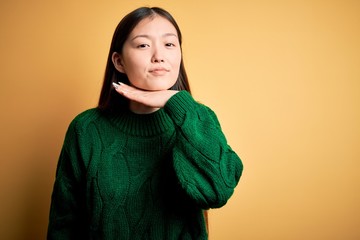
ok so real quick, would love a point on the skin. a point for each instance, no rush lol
(151, 59)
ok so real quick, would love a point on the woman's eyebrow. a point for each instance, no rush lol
(148, 36)
(170, 34)
(140, 36)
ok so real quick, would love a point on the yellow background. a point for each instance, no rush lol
(282, 76)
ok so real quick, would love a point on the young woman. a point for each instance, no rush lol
(149, 160)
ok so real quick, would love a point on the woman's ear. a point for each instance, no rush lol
(117, 61)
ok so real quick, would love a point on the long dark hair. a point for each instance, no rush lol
(110, 99)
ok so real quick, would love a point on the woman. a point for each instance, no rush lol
(149, 160)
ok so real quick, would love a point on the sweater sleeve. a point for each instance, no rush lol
(67, 215)
(206, 166)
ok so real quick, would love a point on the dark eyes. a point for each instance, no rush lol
(143, 46)
(147, 45)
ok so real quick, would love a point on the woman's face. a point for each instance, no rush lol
(151, 55)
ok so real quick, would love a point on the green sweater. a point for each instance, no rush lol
(150, 176)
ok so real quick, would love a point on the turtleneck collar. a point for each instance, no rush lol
(144, 125)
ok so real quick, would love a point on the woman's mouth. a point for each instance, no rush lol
(158, 71)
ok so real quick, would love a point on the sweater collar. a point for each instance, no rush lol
(145, 125)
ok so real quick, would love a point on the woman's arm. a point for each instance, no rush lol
(206, 166)
(67, 212)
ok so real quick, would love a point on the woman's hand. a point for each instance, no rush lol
(153, 99)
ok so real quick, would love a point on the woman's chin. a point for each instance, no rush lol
(154, 85)
(158, 88)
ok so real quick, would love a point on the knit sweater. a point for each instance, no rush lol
(142, 176)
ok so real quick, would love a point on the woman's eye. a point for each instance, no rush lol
(143, 45)
(170, 45)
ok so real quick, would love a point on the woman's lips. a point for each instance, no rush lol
(159, 71)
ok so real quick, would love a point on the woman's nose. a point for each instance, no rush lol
(157, 56)
(158, 60)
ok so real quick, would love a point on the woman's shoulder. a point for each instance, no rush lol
(88, 115)
(84, 119)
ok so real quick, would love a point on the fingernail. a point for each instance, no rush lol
(116, 86)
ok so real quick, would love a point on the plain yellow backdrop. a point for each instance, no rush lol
(282, 76)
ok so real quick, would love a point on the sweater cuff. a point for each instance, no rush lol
(178, 105)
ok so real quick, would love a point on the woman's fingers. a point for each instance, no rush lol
(155, 99)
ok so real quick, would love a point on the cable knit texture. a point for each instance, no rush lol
(130, 176)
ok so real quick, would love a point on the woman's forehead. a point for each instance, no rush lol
(154, 25)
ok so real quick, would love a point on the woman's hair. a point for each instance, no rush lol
(109, 98)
